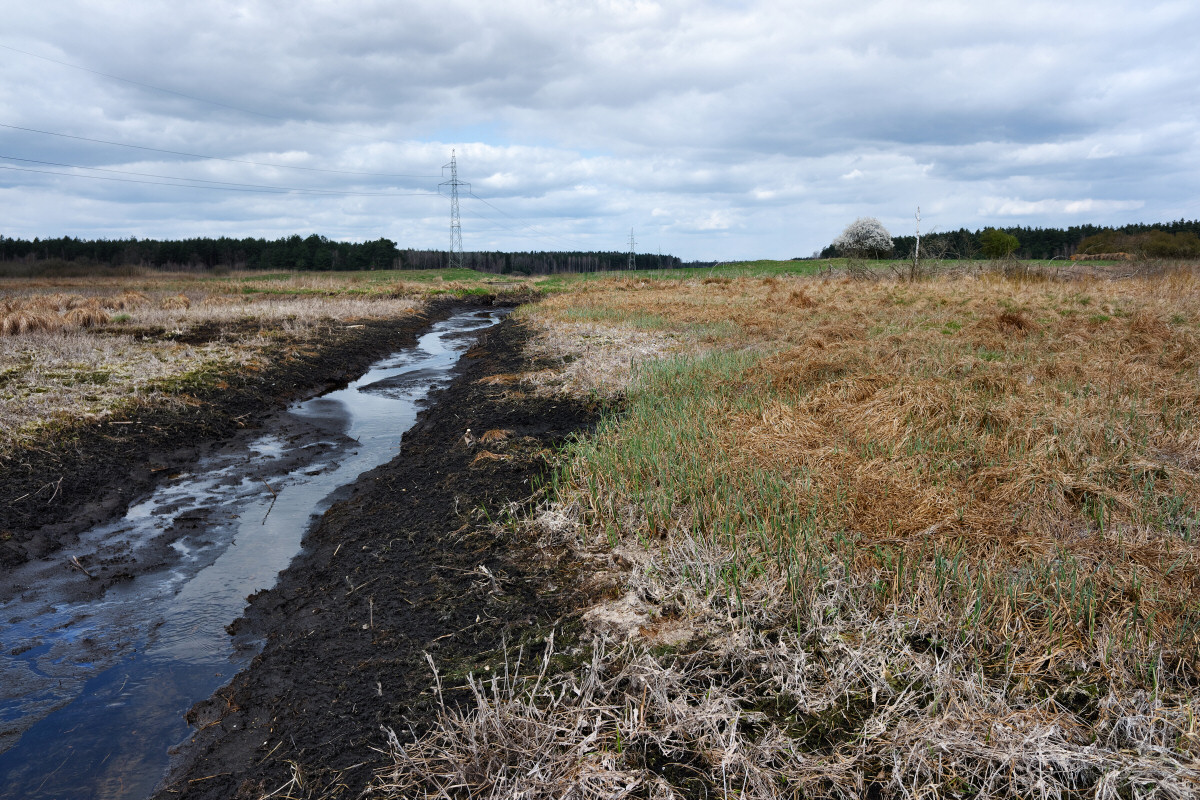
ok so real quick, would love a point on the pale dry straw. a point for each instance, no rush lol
(65, 359)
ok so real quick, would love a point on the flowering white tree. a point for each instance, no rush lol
(863, 238)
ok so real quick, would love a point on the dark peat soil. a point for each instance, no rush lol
(409, 564)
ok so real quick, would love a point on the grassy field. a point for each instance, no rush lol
(78, 349)
(370, 282)
(766, 268)
(874, 537)
(880, 538)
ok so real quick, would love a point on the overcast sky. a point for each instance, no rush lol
(714, 129)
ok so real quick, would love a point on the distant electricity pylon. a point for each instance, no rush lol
(632, 245)
(456, 251)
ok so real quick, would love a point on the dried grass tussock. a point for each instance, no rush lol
(85, 317)
(18, 321)
(174, 302)
(932, 539)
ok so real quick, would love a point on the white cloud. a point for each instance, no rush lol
(713, 221)
(1013, 207)
(717, 129)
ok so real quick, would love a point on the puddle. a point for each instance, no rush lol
(94, 682)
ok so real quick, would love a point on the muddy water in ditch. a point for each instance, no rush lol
(94, 686)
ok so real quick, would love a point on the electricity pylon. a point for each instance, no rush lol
(456, 250)
(632, 245)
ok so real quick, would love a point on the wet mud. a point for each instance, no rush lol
(86, 474)
(90, 652)
(413, 562)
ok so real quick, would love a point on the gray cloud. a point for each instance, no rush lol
(716, 129)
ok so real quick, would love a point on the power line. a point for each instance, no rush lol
(227, 188)
(204, 180)
(212, 158)
(140, 84)
(131, 180)
(187, 96)
(493, 220)
(572, 245)
(525, 225)
(510, 216)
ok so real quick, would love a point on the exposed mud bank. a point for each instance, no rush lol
(405, 566)
(87, 659)
(91, 472)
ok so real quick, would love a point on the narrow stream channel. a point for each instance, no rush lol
(93, 690)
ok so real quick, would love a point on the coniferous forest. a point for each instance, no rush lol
(311, 253)
(1039, 243)
(1172, 239)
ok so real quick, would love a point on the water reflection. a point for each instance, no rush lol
(93, 692)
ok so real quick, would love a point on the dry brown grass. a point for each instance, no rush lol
(85, 317)
(223, 300)
(124, 301)
(175, 302)
(44, 312)
(494, 435)
(948, 533)
(18, 321)
(486, 456)
(1019, 422)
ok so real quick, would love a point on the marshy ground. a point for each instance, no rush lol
(888, 538)
(96, 408)
(828, 537)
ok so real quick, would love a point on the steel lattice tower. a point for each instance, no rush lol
(456, 248)
(632, 245)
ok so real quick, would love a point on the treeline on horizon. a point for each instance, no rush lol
(1047, 243)
(296, 253)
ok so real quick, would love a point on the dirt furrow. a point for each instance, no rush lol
(82, 475)
(411, 563)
